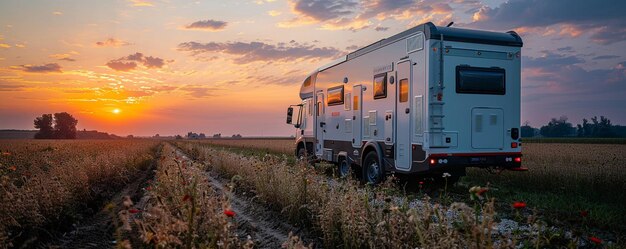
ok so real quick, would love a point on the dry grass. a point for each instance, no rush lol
(348, 215)
(45, 186)
(182, 210)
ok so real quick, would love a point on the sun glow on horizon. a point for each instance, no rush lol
(116, 111)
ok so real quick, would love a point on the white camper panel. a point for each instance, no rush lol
(479, 121)
(425, 100)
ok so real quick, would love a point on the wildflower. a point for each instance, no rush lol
(519, 204)
(133, 211)
(229, 213)
(482, 191)
(6, 153)
(13, 168)
(595, 240)
(584, 213)
(446, 174)
(186, 197)
(148, 188)
(421, 183)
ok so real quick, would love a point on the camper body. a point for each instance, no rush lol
(425, 101)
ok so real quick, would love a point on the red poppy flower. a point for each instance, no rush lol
(133, 211)
(421, 183)
(13, 168)
(482, 191)
(595, 240)
(229, 213)
(148, 188)
(6, 153)
(186, 197)
(519, 204)
(584, 213)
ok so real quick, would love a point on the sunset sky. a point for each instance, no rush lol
(227, 67)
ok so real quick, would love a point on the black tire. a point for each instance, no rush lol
(373, 170)
(343, 168)
(304, 155)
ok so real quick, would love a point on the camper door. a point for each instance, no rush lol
(320, 124)
(403, 116)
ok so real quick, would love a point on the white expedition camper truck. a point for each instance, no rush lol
(425, 101)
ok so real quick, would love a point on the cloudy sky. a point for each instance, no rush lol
(227, 67)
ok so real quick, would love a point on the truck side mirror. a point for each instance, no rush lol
(289, 115)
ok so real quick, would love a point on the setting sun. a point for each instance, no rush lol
(116, 111)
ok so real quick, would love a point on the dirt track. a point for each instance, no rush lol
(264, 226)
(97, 231)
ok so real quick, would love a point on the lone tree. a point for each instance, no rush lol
(64, 126)
(44, 124)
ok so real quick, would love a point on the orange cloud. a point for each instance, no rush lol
(112, 42)
(142, 3)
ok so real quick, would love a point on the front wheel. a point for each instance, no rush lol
(373, 171)
(304, 156)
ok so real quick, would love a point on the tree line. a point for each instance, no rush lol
(597, 128)
(58, 126)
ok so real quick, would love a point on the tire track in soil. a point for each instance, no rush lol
(263, 225)
(97, 231)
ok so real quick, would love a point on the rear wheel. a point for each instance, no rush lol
(343, 169)
(373, 171)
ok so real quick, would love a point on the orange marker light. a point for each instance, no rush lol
(514, 145)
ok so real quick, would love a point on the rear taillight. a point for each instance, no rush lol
(518, 159)
(432, 161)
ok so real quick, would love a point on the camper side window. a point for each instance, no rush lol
(480, 80)
(404, 90)
(380, 86)
(335, 95)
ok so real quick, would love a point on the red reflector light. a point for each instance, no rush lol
(518, 159)
(514, 145)
(432, 161)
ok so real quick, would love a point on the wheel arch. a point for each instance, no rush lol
(369, 147)
(303, 143)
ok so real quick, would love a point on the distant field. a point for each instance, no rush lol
(575, 140)
(277, 145)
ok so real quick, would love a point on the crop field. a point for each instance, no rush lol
(47, 186)
(251, 193)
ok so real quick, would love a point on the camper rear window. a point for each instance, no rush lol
(479, 80)
(380, 86)
(335, 95)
